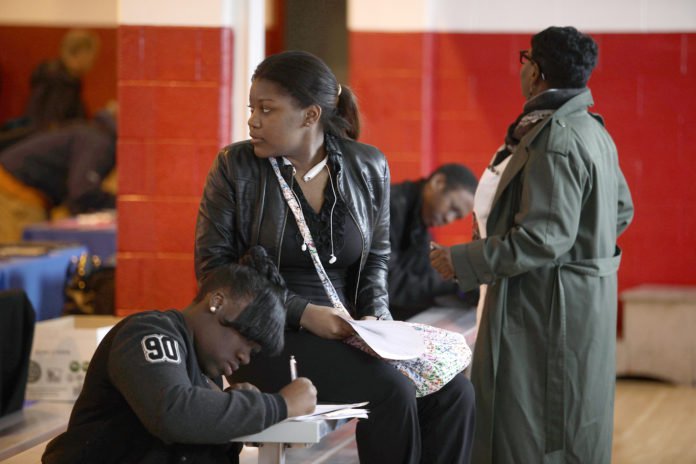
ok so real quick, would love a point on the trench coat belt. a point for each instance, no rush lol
(554, 411)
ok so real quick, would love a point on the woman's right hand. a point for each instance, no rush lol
(300, 397)
(441, 260)
(325, 322)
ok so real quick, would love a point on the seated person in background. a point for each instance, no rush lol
(56, 89)
(447, 195)
(56, 84)
(50, 168)
(151, 392)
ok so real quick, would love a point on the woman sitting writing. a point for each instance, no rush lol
(152, 393)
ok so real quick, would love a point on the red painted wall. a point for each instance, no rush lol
(174, 88)
(644, 86)
(23, 47)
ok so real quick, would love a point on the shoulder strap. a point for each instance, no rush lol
(296, 209)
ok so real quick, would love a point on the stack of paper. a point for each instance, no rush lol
(390, 339)
(334, 412)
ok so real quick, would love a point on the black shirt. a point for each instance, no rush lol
(296, 266)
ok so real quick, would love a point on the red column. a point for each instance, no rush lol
(389, 73)
(174, 88)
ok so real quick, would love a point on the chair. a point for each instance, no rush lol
(17, 320)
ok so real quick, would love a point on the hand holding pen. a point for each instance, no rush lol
(300, 395)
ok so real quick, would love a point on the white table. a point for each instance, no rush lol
(24, 434)
(273, 441)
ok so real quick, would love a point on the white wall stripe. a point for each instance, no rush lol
(388, 15)
(72, 13)
(199, 13)
(109, 13)
(530, 16)
(249, 51)
(378, 15)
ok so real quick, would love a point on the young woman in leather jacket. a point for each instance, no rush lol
(304, 119)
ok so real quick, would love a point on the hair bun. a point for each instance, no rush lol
(257, 258)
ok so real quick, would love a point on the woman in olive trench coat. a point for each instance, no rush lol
(544, 360)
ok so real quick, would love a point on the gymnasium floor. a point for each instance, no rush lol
(654, 422)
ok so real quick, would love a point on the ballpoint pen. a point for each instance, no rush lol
(293, 368)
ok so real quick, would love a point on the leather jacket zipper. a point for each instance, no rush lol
(362, 236)
(348, 207)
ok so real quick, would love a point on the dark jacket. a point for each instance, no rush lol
(413, 283)
(67, 164)
(145, 399)
(242, 205)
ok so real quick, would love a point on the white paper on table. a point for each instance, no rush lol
(334, 411)
(390, 339)
(359, 413)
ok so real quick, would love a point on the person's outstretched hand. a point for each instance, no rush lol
(243, 386)
(300, 397)
(325, 322)
(441, 260)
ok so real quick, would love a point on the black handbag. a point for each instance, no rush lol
(90, 286)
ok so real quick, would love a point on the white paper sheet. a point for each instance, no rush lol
(390, 339)
(334, 411)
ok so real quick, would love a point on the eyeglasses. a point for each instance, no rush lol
(525, 56)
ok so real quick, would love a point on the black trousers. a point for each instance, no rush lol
(401, 428)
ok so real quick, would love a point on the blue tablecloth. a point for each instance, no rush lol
(43, 278)
(100, 239)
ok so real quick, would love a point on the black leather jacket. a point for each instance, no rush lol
(242, 205)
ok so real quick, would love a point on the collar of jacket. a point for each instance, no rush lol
(333, 151)
(519, 158)
(352, 186)
(336, 162)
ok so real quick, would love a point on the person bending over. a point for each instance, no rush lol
(416, 206)
(65, 166)
(151, 393)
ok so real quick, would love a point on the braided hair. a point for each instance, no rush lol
(256, 278)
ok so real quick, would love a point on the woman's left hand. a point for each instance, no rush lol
(243, 386)
(326, 322)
